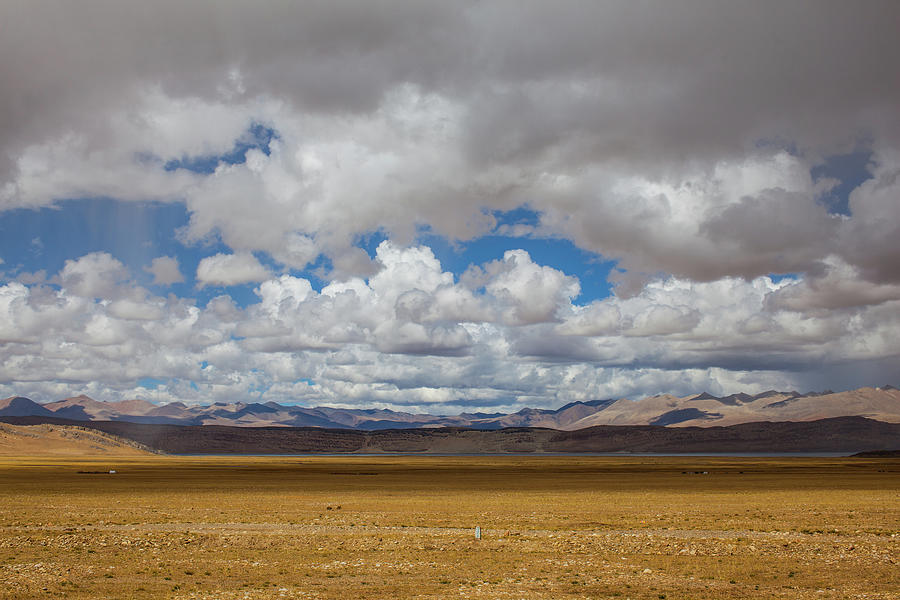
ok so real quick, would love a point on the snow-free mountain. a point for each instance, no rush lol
(882, 404)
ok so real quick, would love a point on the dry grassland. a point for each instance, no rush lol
(403, 527)
(68, 440)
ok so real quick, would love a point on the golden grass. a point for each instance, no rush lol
(403, 527)
(63, 440)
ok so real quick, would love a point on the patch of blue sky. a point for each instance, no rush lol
(590, 269)
(779, 277)
(242, 295)
(132, 232)
(850, 170)
(151, 383)
(257, 389)
(257, 137)
(137, 232)
(522, 215)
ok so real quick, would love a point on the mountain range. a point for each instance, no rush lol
(700, 410)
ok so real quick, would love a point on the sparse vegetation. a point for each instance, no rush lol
(581, 527)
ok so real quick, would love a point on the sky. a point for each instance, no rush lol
(447, 206)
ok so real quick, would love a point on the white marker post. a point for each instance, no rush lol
(477, 532)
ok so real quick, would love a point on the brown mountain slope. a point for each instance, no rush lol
(85, 407)
(700, 410)
(844, 435)
(62, 440)
(704, 410)
(17, 406)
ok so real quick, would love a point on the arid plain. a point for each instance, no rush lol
(403, 527)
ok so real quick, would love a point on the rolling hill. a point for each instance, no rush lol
(63, 440)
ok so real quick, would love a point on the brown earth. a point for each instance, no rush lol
(403, 527)
(845, 434)
(63, 440)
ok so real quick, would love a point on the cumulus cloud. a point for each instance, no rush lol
(530, 293)
(95, 275)
(617, 125)
(165, 270)
(230, 269)
(415, 336)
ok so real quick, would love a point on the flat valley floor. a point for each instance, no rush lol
(404, 527)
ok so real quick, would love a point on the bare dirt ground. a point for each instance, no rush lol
(403, 527)
(63, 440)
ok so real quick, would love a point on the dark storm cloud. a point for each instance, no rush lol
(642, 80)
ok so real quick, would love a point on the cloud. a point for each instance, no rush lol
(869, 240)
(628, 136)
(230, 269)
(617, 125)
(414, 336)
(165, 270)
(839, 286)
(95, 275)
(528, 292)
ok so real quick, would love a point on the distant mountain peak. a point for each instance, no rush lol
(20, 406)
(702, 410)
(81, 398)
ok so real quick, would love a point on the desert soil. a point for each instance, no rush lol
(403, 527)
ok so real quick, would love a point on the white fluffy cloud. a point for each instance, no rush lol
(528, 293)
(230, 269)
(165, 270)
(95, 275)
(414, 336)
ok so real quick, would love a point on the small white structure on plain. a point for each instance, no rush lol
(477, 532)
(111, 472)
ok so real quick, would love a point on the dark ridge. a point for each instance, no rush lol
(681, 415)
(842, 434)
(736, 399)
(377, 425)
(593, 403)
(481, 415)
(158, 420)
(878, 454)
(168, 410)
(72, 412)
(769, 394)
(784, 402)
(20, 406)
(732, 400)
